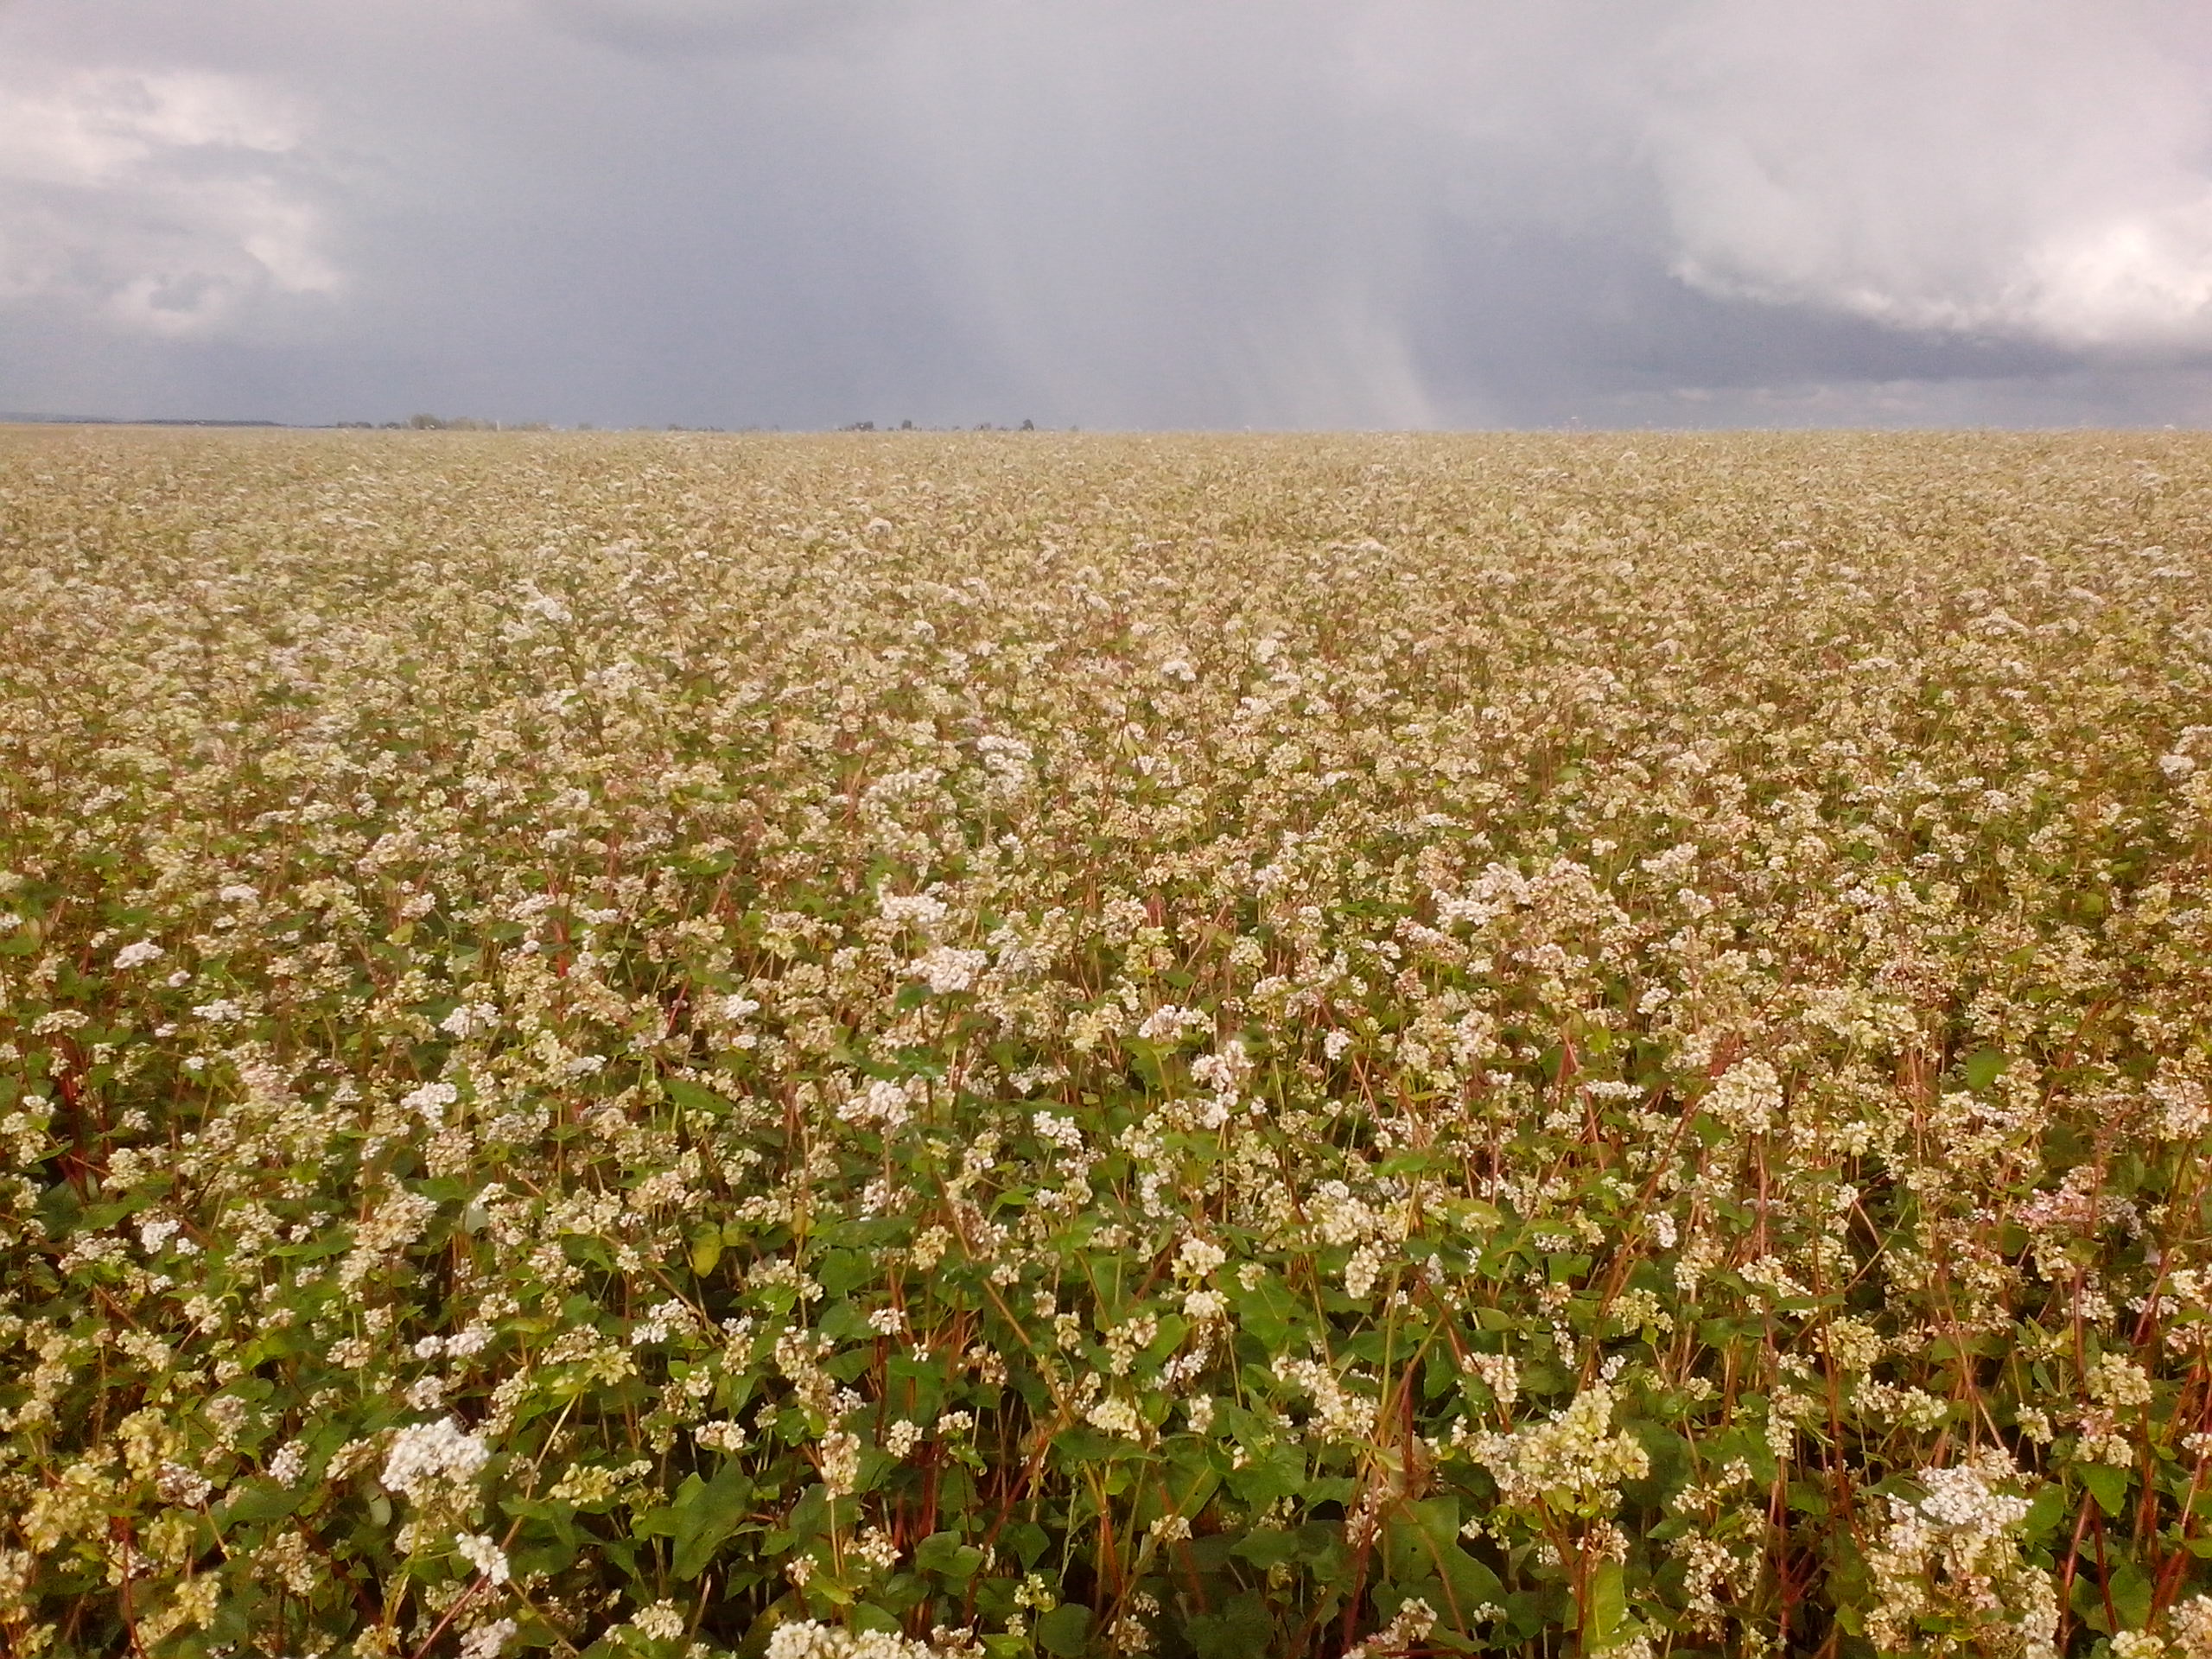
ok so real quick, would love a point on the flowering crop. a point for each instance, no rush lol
(897, 1046)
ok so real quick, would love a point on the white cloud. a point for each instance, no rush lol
(2038, 171)
(2032, 169)
(169, 203)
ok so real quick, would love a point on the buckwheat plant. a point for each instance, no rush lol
(890, 1045)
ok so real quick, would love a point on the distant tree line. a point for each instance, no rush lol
(471, 423)
(908, 426)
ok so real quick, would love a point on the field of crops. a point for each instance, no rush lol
(893, 1045)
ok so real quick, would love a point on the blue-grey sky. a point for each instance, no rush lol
(1110, 212)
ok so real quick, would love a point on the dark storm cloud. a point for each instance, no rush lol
(1410, 212)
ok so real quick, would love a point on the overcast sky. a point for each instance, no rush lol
(1110, 212)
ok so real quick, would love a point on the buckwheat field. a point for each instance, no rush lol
(901, 1046)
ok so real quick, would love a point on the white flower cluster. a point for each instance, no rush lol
(918, 910)
(1572, 1460)
(882, 1104)
(1747, 1097)
(805, 1638)
(483, 1553)
(424, 1456)
(1116, 1415)
(1955, 1553)
(1170, 1023)
(429, 1102)
(487, 1640)
(947, 968)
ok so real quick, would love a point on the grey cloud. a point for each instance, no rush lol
(660, 28)
(1407, 212)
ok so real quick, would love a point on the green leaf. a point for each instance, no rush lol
(707, 1513)
(1606, 1608)
(260, 1500)
(944, 1554)
(1266, 1312)
(841, 1271)
(1027, 1541)
(1065, 1630)
(1984, 1066)
(1265, 1548)
(1274, 1474)
(2131, 1595)
(1422, 1541)
(706, 1250)
(843, 1322)
(1244, 1629)
(694, 1097)
(2106, 1484)
(2047, 1510)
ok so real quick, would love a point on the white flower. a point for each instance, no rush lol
(181, 1486)
(470, 1019)
(947, 968)
(804, 1638)
(1116, 1416)
(723, 1436)
(134, 955)
(1059, 1131)
(290, 1462)
(1962, 1500)
(1205, 1306)
(1363, 1269)
(883, 1104)
(916, 910)
(424, 1453)
(481, 1552)
(1747, 1097)
(662, 1622)
(431, 1102)
(486, 1640)
(841, 1461)
(1197, 1257)
(1167, 1024)
(153, 1235)
(1571, 1460)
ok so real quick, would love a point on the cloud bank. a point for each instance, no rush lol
(1411, 213)
(157, 201)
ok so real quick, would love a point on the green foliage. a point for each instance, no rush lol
(1218, 1049)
